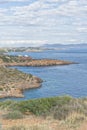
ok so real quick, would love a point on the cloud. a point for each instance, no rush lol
(40, 12)
(22, 42)
(54, 20)
(82, 29)
(4, 1)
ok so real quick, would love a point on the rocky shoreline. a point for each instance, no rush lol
(7, 60)
(14, 82)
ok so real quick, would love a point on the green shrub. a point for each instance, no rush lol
(34, 127)
(30, 75)
(13, 115)
(57, 107)
(17, 128)
(5, 104)
(42, 106)
(1, 89)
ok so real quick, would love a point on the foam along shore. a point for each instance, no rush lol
(14, 82)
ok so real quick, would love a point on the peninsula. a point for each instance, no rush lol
(14, 82)
(7, 60)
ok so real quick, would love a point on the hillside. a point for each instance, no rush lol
(55, 113)
(13, 82)
(22, 49)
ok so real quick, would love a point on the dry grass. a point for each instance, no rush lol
(71, 114)
(74, 121)
(30, 123)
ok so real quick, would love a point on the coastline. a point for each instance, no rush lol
(38, 63)
(14, 82)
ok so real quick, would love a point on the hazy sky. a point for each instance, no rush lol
(43, 21)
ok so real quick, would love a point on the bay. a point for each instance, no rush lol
(58, 80)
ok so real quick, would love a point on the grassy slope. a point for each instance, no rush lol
(69, 111)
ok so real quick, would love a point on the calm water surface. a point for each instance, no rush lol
(58, 80)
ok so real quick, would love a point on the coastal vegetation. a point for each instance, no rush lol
(57, 107)
(7, 60)
(65, 111)
(13, 82)
(13, 59)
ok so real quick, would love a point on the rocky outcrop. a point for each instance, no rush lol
(38, 63)
(28, 61)
(14, 82)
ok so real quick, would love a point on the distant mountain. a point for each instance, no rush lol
(65, 46)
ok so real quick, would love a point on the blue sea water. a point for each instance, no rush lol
(58, 80)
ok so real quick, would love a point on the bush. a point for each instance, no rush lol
(13, 115)
(34, 127)
(30, 75)
(1, 89)
(57, 107)
(17, 128)
(74, 120)
(42, 106)
(5, 104)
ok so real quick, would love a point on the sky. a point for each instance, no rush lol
(37, 22)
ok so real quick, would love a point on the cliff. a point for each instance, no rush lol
(13, 82)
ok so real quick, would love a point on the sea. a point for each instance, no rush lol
(58, 80)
